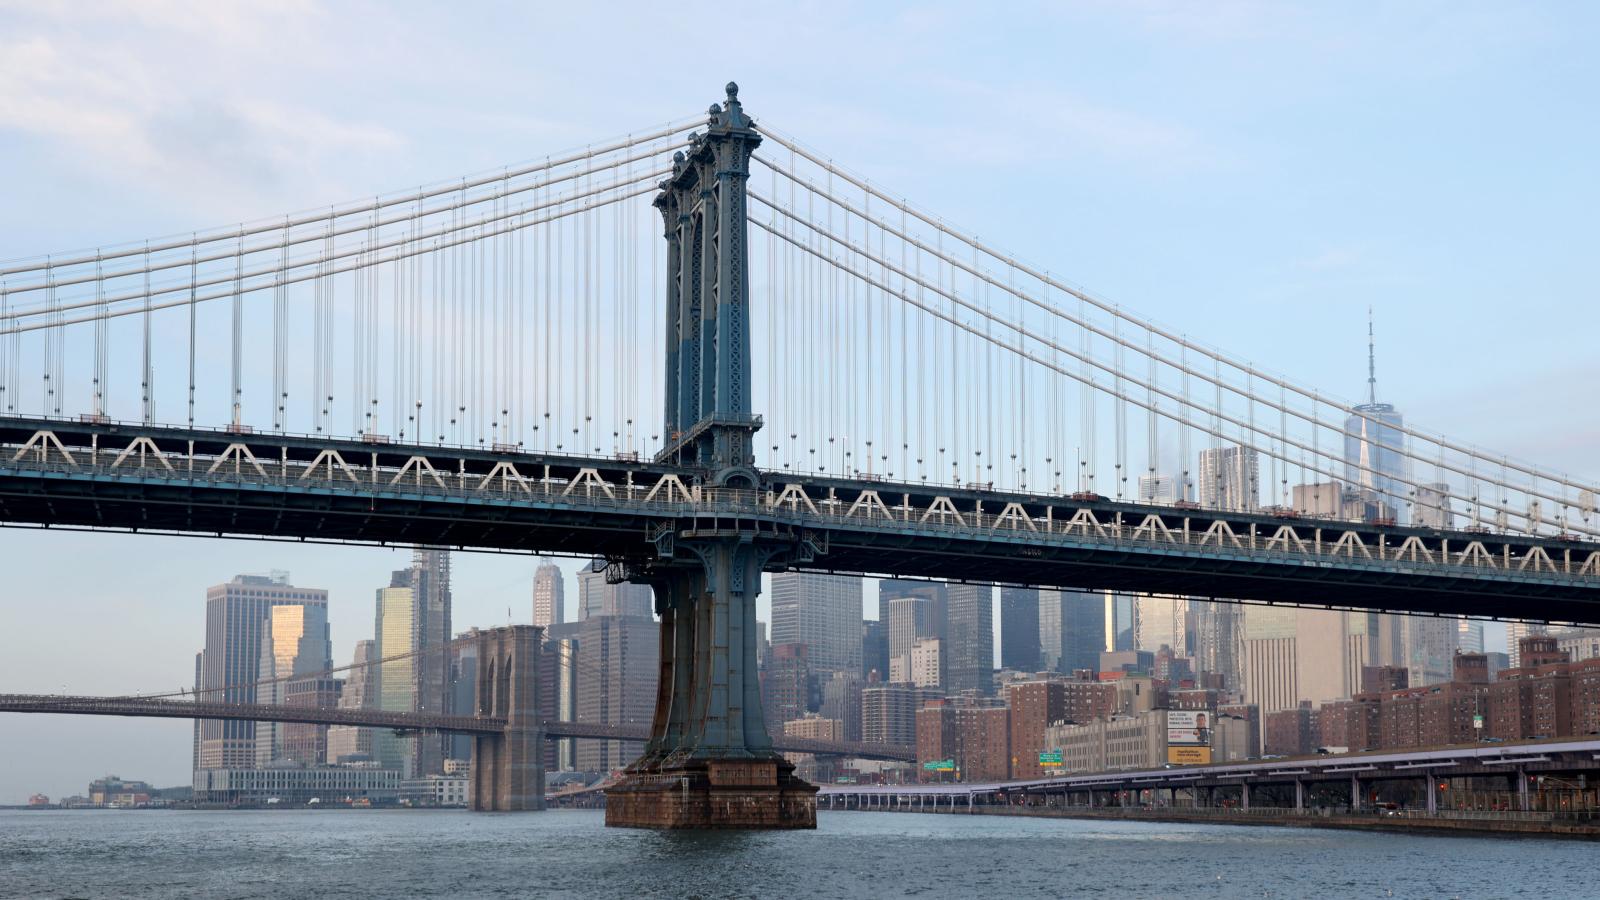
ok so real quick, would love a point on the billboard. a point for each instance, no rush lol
(1188, 737)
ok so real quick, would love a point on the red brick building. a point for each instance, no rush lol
(983, 743)
(1586, 697)
(936, 738)
(1352, 723)
(1378, 679)
(1291, 732)
(1446, 712)
(1034, 705)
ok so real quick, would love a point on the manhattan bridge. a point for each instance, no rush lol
(800, 370)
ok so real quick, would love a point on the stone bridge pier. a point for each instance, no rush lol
(508, 768)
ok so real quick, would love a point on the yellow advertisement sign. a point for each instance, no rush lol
(1188, 756)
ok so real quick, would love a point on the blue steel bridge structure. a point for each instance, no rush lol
(487, 338)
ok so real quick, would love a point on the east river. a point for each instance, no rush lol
(569, 853)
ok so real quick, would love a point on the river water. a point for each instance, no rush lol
(569, 853)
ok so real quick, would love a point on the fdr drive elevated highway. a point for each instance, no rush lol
(138, 477)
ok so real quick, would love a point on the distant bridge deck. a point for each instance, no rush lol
(373, 718)
(209, 481)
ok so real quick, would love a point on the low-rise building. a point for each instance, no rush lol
(435, 790)
(814, 727)
(297, 786)
(1138, 741)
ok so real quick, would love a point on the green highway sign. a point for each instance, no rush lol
(940, 765)
(1050, 757)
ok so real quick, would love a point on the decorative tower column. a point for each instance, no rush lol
(709, 762)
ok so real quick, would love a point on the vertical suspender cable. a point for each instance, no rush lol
(194, 276)
(146, 388)
(238, 330)
(100, 323)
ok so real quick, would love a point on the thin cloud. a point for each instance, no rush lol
(122, 95)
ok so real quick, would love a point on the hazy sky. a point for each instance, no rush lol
(1256, 174)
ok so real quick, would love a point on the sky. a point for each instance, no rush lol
(1254, 174)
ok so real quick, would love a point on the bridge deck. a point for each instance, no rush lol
(253, 712)
(153, 478)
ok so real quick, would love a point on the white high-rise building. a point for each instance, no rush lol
(549, 595)
(1162, 489)
(1230, 478)
(1161, 620)
(1432, 507)
(1469, 636)
(927, 662)
(1515, 632)
(910, 619)
(1430, 643)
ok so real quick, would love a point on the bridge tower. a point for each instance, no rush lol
(508, 768)
(709, 762)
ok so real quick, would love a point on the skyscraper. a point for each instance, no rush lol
(563, 654)
(1271, 666)
(360, 692)
(891, 589)
(824, 613)
(1072, 630)
(1122, 621)
(237, 617)
(1162, 489)
(1433, 508)
(1430, 644)
(968, 642)
(1161, 620)
(295, 642)
(1374, 449)
(597, 597)
(430, 584)
(787, 685)
(1019, 629)
(1218, 630)
(1230, 478)
(1469, 635)
(874, 650)
(464, 691)
(549, 595)
(841, 699)
(910, 619)
(617, 663)
(395, 630)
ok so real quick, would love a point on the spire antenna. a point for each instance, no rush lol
(1372, 362)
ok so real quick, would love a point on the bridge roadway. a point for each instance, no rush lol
(1513, 761)
(373, 718)
(217, 482)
